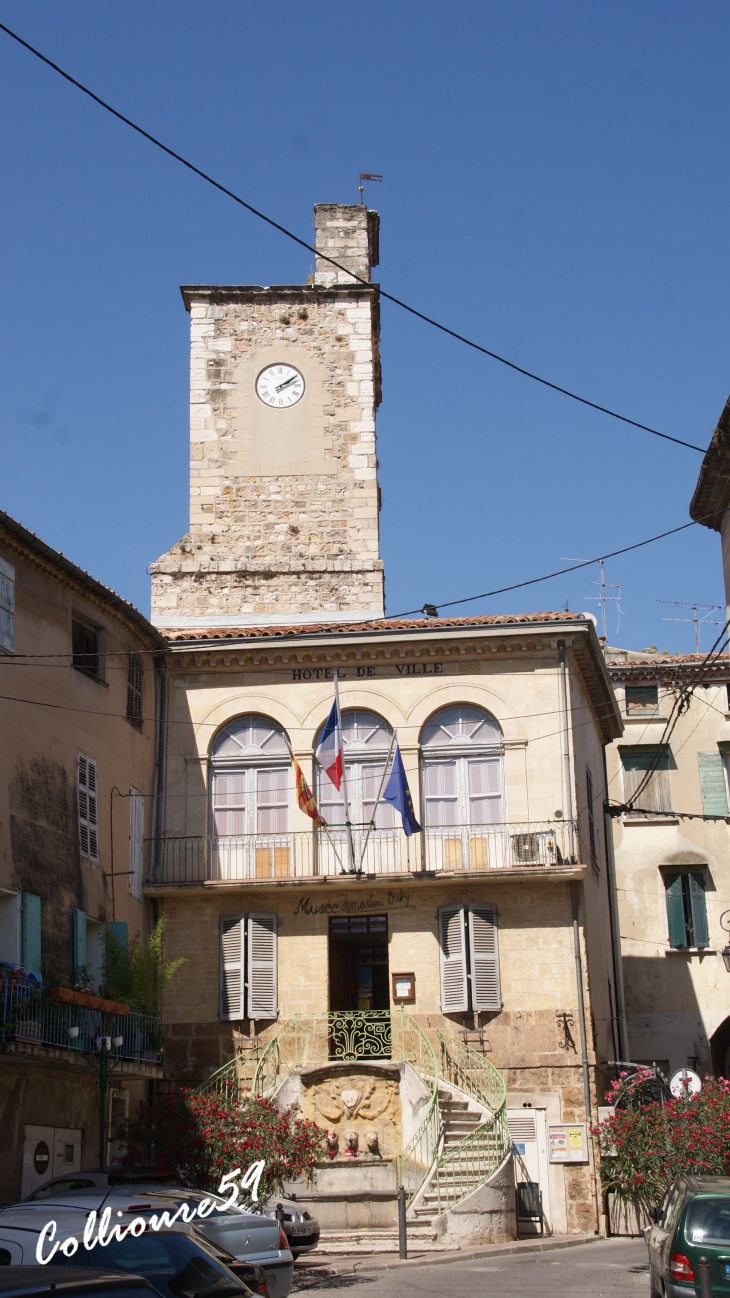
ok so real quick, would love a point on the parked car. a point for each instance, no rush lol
(177, 1264)
(250, 1237)
(112, 1176)
(299, 1226)
(71, 1282)
(692, 1222)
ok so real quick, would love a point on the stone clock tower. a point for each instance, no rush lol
(284, 384)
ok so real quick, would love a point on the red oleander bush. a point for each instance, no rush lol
(645, 1146)
(204, 1138)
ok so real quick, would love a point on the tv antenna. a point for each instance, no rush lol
(367, 175)
(697, 622)
(603, 599)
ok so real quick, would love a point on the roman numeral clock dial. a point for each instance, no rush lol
(280, 386)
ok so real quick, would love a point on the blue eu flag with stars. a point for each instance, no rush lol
(399, 795)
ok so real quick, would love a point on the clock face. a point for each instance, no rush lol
(280, 386)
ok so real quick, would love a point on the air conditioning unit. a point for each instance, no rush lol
(535, 849)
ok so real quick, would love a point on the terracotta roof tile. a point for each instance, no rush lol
(202, 634)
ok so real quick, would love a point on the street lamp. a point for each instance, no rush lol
(725, 953)
(102, 1062)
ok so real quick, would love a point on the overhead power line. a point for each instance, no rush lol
(405, 306)
(559, 572)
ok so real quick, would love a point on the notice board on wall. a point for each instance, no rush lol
(567, 1142)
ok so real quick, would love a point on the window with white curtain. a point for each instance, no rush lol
(251, 779)
(462, 768)
(365, 739)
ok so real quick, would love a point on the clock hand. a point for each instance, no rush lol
(287, 383)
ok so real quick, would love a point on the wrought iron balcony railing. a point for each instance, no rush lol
(305, 854)
(29, 1015)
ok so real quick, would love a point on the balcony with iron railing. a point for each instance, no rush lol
(29, 1016)
(516, 847)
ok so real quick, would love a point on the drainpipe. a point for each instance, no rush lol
(161, 699)
(613, 916)
(581, 1002)
(568, 790)
(584, 1050)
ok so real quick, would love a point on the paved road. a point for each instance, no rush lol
(614, 1268)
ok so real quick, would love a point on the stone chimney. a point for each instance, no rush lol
(350, 235)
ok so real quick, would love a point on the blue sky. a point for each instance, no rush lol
(555, 186)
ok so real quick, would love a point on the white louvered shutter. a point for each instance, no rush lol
(232, 938)
(485, 989)
(262, 991)
(87, 799)
(452, 941)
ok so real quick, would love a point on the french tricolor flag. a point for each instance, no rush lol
(329, 752)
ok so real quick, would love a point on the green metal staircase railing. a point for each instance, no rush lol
(446, 1174)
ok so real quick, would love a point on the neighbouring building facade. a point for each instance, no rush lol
(77, 794)
(490, 931)
(671, 857)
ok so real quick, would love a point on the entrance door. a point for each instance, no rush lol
(528, 1133)
(49, 1152)
(358, 963)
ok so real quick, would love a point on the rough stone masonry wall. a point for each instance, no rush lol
(280, 543)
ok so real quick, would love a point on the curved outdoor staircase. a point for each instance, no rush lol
(461, 1142)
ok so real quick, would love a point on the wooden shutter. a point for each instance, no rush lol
(262, 990)
(80, 954)
(712, 783)
(485, 989)
(698, 908)
(30, 933)
(675, 910)
(136, 841)
(88, 818)
(232, 938)
(454, 991)
(7, 606)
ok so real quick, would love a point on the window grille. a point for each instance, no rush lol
(134, 688)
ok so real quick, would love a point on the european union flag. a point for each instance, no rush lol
(399, 795)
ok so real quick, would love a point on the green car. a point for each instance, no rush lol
(693, 1222)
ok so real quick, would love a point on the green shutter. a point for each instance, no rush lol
(700, 931)
(80, 953)
(30, 933)
(712, 783)
(120, 931)
(675, 910)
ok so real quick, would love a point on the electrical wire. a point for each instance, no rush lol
(276, 225)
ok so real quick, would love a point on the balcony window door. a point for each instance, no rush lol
(365, 739)
(251, 783)
(462, 788)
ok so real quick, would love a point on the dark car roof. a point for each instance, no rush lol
(708, 1184)
(64, 1279)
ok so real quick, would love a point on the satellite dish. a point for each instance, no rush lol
(685, 1082)
(592, 617)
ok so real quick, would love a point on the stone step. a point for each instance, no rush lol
(420, 1239)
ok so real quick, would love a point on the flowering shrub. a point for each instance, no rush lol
(645, 1146)
(203, 1138)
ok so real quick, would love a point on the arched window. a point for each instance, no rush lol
(365, 740)
(462, 768)
(251, 778)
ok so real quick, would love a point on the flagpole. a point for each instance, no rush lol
(350, 845)
(325, 826)
(377, 800)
